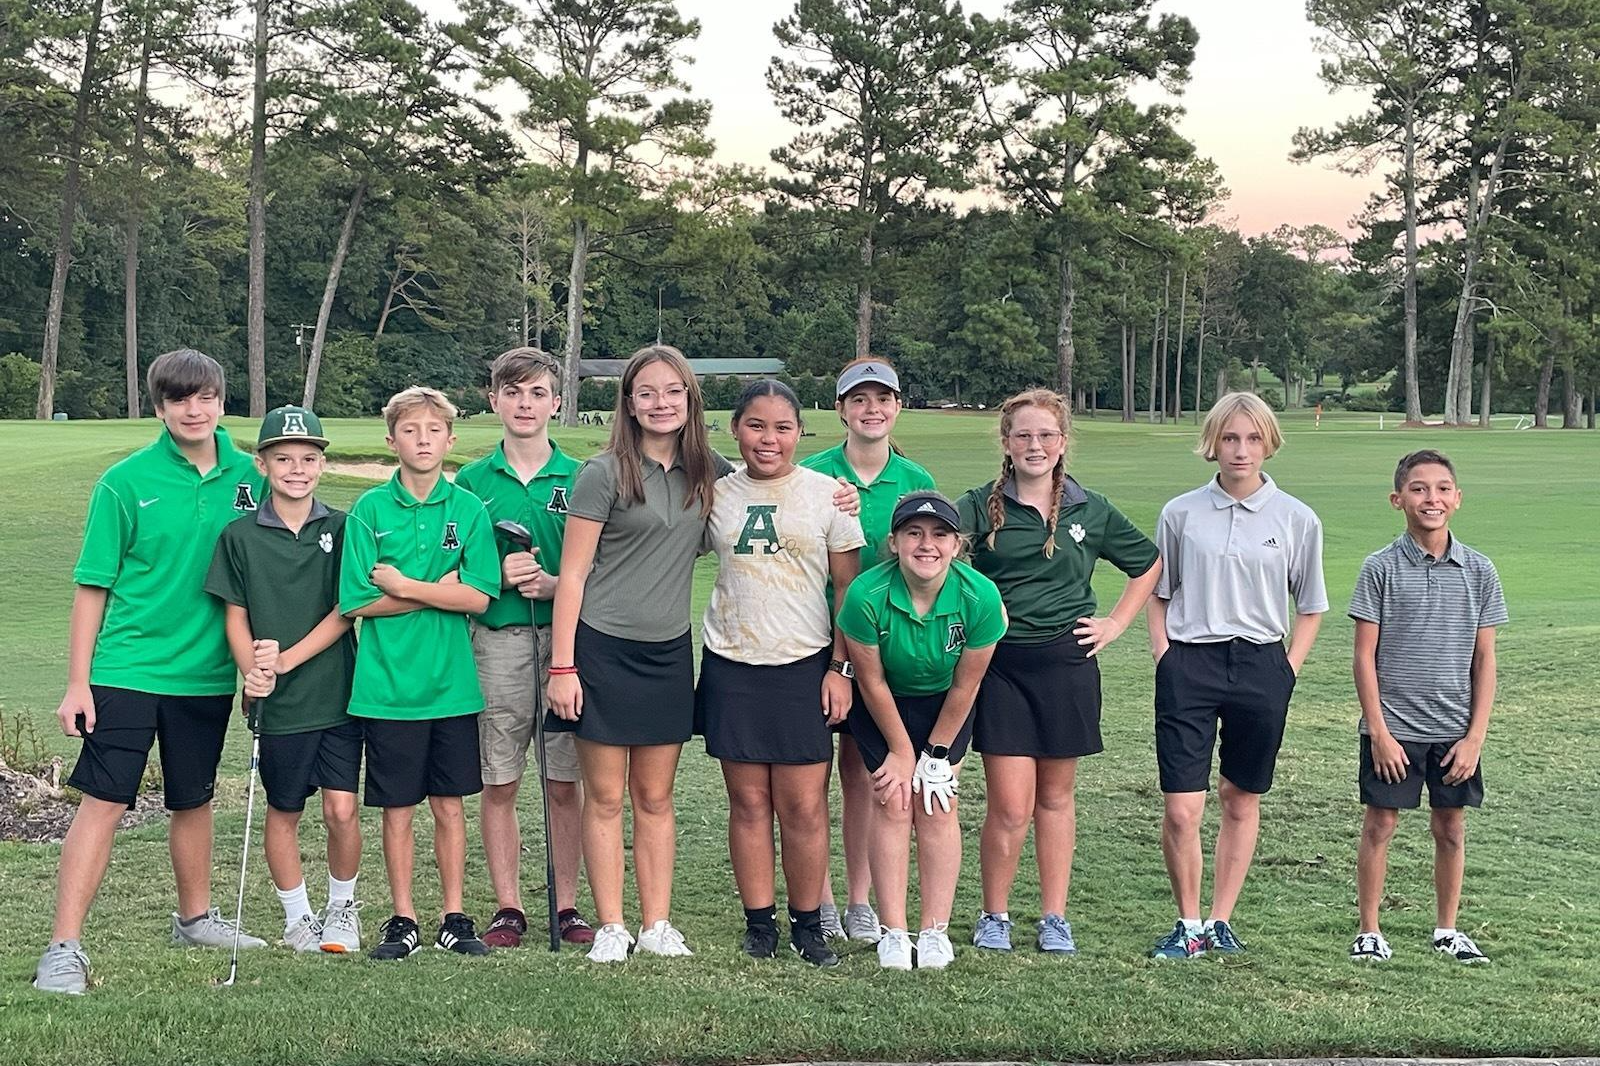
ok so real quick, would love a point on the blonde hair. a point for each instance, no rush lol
(1222, 412)
(694, 449)
(1045, 400)
(408, 400)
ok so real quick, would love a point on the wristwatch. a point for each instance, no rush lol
(842, 667)
(936, 751)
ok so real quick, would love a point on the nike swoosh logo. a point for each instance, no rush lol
(147, 503)
(380, 536)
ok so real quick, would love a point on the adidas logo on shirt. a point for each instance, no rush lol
(1270, 542)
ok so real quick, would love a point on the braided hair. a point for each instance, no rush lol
(1046, 400)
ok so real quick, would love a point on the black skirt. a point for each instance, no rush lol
(1040, 700)
(763, 714)
(919, 714)
(634, 691)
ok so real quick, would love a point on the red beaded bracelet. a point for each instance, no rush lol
(557, 670)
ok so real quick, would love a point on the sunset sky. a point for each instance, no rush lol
(1254, 83)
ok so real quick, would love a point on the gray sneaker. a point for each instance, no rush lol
(1055, 935)
(832, 928)
(341, 928)
(210, 930)
(992, 933)
(303, 935)
(861, 923)
(63, 968)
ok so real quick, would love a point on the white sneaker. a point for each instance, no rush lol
(1370, 947)
(894, 949)
(611, 943)
(341, 928)
(662, 939)
(304, 935)
(934, 950)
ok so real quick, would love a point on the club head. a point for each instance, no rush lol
(515, 532)
(233, 975)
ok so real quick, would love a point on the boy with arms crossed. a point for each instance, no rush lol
(419, 557)
(526, 479)
(1425, 609)
(278, 577)
(147, 659)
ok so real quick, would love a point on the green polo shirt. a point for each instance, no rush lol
(152, 525)
(919, 652)
(287, 583)
(416, 665)
(899, 476)
(1046, 597)
(540, 505)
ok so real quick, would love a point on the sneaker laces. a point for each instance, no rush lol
(670, 937)
(1460, 942)
(609, 935)
(1179, 937)
(1367, 944)
(64, 961)
(395, 927)
(345, 918)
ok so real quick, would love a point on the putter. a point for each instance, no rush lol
(244, 857)
(518, 536)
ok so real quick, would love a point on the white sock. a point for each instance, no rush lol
(295, 904)
(1193, 926)
(1004, 916)
(1211, 923)
(1440, 934)
(341, 891)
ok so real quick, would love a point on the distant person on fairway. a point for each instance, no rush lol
(1234, 552)
(922, 627)
(147, 659)
(868, 403)
(419, 558)
(527, 479)
(277, 574)
(1037, 534)
(773, 671)
(1425, 609)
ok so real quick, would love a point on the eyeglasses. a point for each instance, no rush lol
(671, 394)
(1045, 438)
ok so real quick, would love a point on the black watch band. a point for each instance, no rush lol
(842, 667)
(936, 751)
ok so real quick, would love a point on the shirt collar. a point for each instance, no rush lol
(404, 498)
(1415, 554)
(226, 452)
(947, 602)
(893, 472)
(557, 464)
(1072, 493)
(1253, 502)
(267, 515)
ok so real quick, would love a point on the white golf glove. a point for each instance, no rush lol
(934, 780)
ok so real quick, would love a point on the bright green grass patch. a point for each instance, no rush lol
(1530, 893)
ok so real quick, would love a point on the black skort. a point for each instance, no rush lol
(763, 714)
(635, 692)
(920, 714)
(1040, 700)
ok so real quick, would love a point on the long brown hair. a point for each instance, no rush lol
(627, 439)
(1046, 400)
(839, 401)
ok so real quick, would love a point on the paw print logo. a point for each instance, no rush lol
(1077, 532)
(325, 542)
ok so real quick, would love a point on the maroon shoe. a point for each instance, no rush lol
(574, 930)
(507, 929)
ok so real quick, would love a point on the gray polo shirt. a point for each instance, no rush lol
(1229, 567)
(643, 568)
(1428, 612)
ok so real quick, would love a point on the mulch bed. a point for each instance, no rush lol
(35, 809)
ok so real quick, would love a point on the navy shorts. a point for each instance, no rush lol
(190, 730)
(1242, 687)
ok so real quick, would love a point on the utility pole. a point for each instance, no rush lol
(300, 343)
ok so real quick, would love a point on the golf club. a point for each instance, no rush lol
(244, 857)
(518, 536)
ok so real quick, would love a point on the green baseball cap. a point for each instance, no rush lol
(291, 424)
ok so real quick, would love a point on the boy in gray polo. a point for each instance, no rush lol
(1425, 609)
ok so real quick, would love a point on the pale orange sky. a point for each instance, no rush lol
(1254, 82)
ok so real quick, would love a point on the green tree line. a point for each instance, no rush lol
(338, 198)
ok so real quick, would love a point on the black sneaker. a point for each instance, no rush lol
(809, 943)
(761, 941)
(400, 938)
(457, 934)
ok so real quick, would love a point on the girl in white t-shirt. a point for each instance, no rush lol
(770, 680)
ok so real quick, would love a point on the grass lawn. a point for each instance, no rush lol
(1531, 875)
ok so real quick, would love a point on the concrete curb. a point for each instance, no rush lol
(1258, 1062)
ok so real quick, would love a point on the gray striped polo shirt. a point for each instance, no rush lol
(1229, 567)
(1428, 612)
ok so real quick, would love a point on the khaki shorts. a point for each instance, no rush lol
(513, 667)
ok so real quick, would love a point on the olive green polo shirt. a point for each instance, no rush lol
(1046, 597)
(919, 652)
(416, 665)
(540, 505)
(287, 582)
(898, 477)
(153, 522)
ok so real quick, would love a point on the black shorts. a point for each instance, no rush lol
(1423, 766)
(763, 714)
(294, 765)
(1040, 700)
(1244, 686)
(190, 729)
(919, 714)
(409, 761)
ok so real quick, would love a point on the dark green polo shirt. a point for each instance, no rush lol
(152, 525)
(540, 505)
(287, 583)
(899, 476)
(417, 665)
(1046, 597)
(919, 652)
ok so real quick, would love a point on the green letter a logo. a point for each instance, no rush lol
(759, 524)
